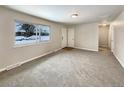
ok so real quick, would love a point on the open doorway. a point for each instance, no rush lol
(104, 37)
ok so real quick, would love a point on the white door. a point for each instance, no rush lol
(64, 37)
(70, 37)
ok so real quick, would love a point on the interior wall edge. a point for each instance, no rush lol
(119, 59)
(117, 38)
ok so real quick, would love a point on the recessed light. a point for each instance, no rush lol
(74, 15)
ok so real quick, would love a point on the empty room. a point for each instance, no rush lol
(61, 46)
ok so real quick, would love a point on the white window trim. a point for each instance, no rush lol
(34, 43)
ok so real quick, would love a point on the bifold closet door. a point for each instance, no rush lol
(70, 37)
(64, 37)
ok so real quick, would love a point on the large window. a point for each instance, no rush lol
(30, 33)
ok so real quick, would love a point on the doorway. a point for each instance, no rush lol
(111, 38)
(104, 37)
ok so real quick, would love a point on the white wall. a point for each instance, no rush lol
(10, 55)
(118, 29)
(86, 36)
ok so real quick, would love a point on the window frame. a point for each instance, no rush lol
(33, 43)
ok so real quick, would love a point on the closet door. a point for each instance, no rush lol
(70, 37)
(64, 37)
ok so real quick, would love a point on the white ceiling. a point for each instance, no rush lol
(62, 13)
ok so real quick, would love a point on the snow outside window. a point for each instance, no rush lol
(31, 33)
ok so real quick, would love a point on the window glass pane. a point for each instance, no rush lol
(30, 33)
(45, 33)
(25, 33)
(39, 30)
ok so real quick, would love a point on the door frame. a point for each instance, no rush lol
(112, 38)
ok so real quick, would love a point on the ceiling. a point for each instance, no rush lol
(62, 13)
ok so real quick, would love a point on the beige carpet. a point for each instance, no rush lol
(67, 68)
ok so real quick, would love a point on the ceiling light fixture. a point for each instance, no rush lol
(104, 24)
(74, 15)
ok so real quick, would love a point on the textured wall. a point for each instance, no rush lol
(9, 54)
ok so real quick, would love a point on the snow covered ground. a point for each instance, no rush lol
(32, 39)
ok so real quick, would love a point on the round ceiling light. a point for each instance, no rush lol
(74, 15)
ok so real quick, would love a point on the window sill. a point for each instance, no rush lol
(31, 44)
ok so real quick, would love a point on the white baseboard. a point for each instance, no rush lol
(20, 63)
(85, 49)
(1, 70)
(57, 49)
(118, 58)
(13, 66)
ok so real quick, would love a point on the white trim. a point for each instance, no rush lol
(118, 58)
(57, 49)
(13, 66)
(86, 49)
(32, 43)
(1, 70)
(20, 63)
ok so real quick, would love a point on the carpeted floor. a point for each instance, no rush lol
(67, 68)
